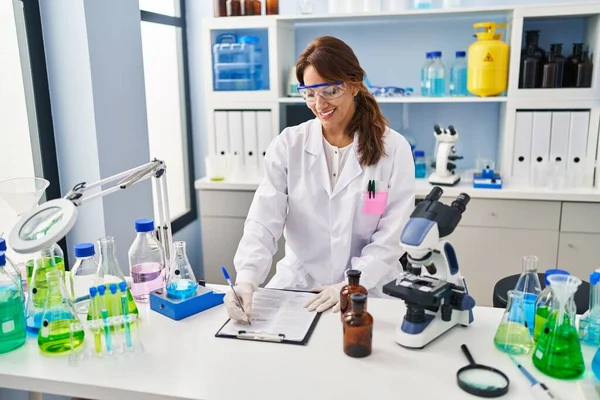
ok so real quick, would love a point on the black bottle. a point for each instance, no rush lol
(584, 72)
(570, 77)
(560, 60)
(550, 73)
(530, 70)
(532, 39)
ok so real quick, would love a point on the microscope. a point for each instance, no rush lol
(445, 154)
(433, 289)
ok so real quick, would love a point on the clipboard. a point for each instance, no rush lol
(272, 337)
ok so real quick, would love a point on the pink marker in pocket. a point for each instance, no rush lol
(374, 202)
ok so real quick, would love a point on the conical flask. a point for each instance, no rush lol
(58, 318)
(109, 272)
(589, 323)
(182, 283)
(529, 285)
(558, 351)
(59, 260)
(38, 289)
(512, 335)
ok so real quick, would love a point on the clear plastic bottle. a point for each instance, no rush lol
(12, 314)
(436, 76)
(146, 261)
(529, 285)
(425, 74)
(458, 75)
(83, 276)
(182, 283)
(420, 164)
(543, 305)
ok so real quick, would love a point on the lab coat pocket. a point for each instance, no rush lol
(376, 204)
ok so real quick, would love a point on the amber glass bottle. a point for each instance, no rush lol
(353, 286)
(358, 328)
(272, 7)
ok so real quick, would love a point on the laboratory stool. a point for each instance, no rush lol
(582, 297)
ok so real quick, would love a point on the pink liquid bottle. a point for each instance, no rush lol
(146, 262)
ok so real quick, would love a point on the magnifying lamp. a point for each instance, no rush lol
(50, 222)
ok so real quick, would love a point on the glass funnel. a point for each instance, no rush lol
(558, 351)
(182, 283)
(22, 194)
(109, 272)
(512, 335)
(529, 285)
(58, 319)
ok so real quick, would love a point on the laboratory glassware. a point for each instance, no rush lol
(182, 283)
(220, 8)
(348, 290)
(396, 5)
(543, 305)
(422, 4)
(425, 74)
(146, 261)
(596, 364)
(550, 73)
(83, 276)
(589, 323)
(59, 260)
(529, 285)
(358, 328)
(436, 75)
(570, 77)
(559, 59)
(271, 7)
(103, 304)
(12, 313)
(584, 71)
(512, 335)
(458, 75)
(11, 268)
(126, 318)
(481, 380)
(558, 351)
(234, 8)
(44, 262)
(539, 390)
(451, 3)
(487, 69)
(54, 335)
(420, 164)
(306, 6)
(94, 320)
(532, 38)
(530, 70)
(109, 272)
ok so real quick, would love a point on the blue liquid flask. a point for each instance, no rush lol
(182, 283)
(529, 285)
(425, 74)
(420, 164)
(436, 77)
(458, 75)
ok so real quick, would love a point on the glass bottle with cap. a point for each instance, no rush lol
(146, 261)
(182, 282)
(12, 314)
(358, 328)
(589, 323)
(543, 305)
(352, 287)
(83, 276)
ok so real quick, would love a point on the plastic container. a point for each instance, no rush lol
(237, 63)
(458, 75)
(487, 71)
(146, 261)
(424, 74)
(422, 4)
(82, 277)
(420, 164)
(436, 76)
(12, 313)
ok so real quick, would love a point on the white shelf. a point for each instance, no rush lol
(415, 99)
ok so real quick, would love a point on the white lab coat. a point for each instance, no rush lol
(325, 230)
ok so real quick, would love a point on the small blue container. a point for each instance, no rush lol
(237, 63)
(179, 309)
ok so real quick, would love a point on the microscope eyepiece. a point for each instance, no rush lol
(461, 202)
(435, 194)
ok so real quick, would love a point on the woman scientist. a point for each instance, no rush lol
(318, 177)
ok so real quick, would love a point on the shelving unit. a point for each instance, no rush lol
(415, 99)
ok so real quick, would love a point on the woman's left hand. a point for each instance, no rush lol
(328, 297)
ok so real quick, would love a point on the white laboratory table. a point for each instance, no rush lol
(184, 360)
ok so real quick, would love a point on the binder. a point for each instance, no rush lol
(522, 147)
(578, 136)
(540, 138)
(559, 140)
(265, 135)
(236, 137)
(221, 133)
(250, 139)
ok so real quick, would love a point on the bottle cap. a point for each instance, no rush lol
(358, 298)
(93, 291)
(461, 54)
(123, 286)
(437, 54)
(2, 244)
(113, 288)
(2, 259)
(144, 225)
(101, 290)
(551, 272)
(353, 273)
(84, 250)
(429, 54)
(594, 278)
(419, 153)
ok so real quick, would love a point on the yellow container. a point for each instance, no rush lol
(488, 61)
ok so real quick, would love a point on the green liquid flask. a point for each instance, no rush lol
(58, 317)
(59, 262)
(512, 335)
(12, 314)
(543, 305)
(558, 351)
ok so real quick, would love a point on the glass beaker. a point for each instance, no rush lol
(529, 285)
(109, 272)
(44, 262)
(57, 319)
(182, 283)
(512, 335)
(558, 351)
(12, 315)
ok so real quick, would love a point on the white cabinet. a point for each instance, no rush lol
(578, 253)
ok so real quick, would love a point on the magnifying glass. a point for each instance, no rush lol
(481, 380)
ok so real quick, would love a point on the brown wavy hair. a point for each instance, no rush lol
(335, 61)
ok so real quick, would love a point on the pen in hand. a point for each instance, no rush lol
(237, 298)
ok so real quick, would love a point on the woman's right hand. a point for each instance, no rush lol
(236, 311)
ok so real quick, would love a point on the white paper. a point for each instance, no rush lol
(276, 312)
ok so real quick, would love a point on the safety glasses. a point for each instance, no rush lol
(327, 91)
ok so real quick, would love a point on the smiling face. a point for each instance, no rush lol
(335, 114)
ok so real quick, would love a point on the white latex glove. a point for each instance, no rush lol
(328, 297)
(244, 290)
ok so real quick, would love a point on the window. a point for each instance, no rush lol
(167, 102)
